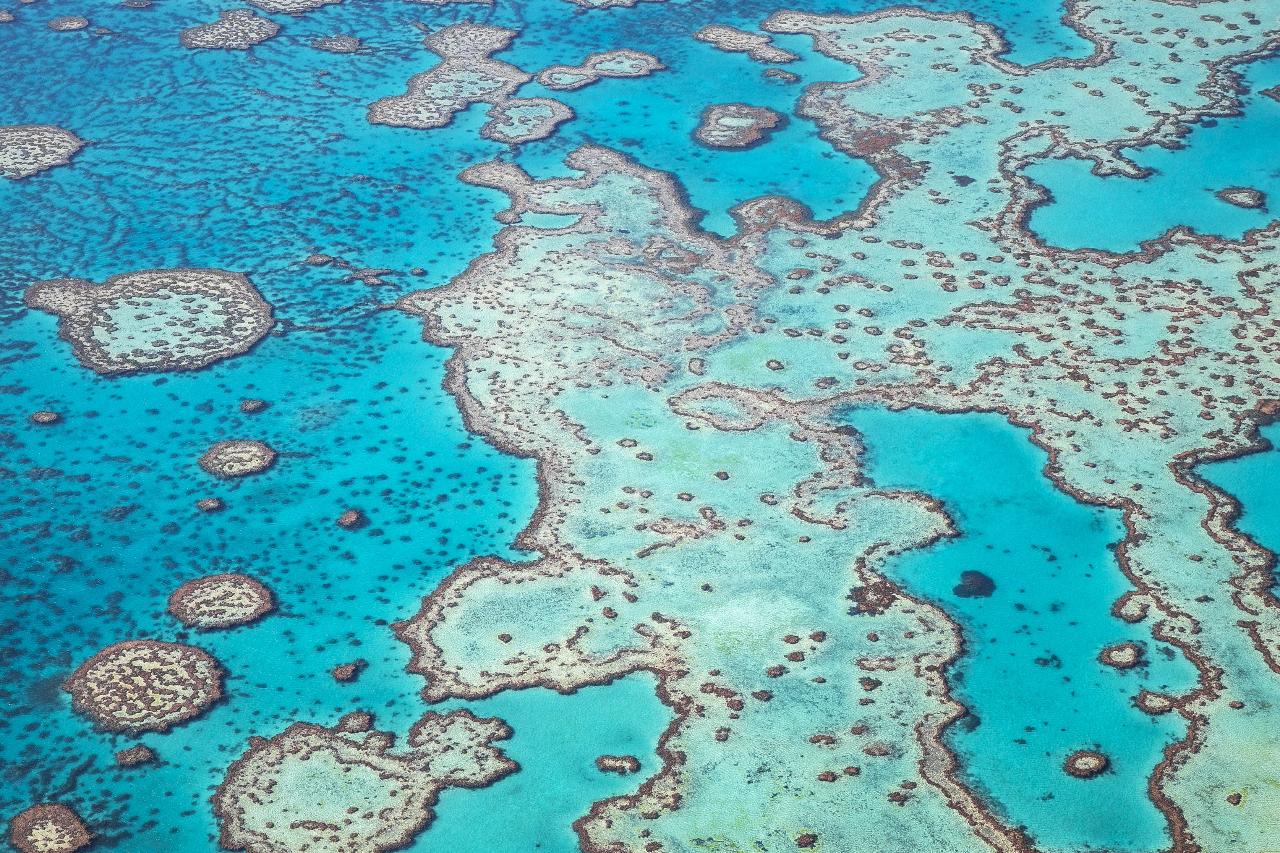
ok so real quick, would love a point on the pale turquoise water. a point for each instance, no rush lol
(1030, 676)
(1220, 153)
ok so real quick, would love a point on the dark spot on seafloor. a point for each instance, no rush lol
(45, 691)
(974, 584)
(962, 180)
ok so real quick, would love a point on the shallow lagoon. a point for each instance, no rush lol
(1029, 674)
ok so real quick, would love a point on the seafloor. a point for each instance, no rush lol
(639, 425)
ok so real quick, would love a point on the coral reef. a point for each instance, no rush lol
(145, 685)
(155, 320)
(316, 788)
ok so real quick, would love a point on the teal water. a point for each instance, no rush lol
(252, 161)
(1219, 153)
(1029, 676)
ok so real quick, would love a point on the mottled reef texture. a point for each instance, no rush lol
(145, 685)
(235, 29)
(49, 828)
(703, 515)
(758, 47)
(468, 74)
(155, 320)
(736, 125)
(220, 601)
(597, 66)
(27, 149)
(343, 790)
(237, 457)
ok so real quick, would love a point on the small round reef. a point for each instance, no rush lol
(237, 458)
(1086, 764)
(220, 601)
(145, 685)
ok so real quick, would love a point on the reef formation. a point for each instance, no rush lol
(610, 63)
(736, 125)
(648, 366)
(49, 828)
(220, 601)
(343, 789)
(155, 320)
(145, 685)
(237, 457)
(235, 29)
(28, 149)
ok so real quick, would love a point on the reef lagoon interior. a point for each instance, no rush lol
(701, 426)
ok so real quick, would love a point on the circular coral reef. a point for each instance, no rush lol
(49, 828)
(220, 601)
(1124, 655)
(1086, 764)
(145, 685)
(237, 458)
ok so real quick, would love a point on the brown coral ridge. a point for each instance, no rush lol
(220, 601)
(49, 828)
(145, 685)
(358, 795)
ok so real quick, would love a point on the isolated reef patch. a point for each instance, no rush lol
(611, 63)
(237, 457)
(155, 320)
(235, 29)
(736, 125)
(220, 601)
(68, 23)
(326, 789)
(49, 828)
(27, 149)
(609, 4)
(1086, 764)
(467, 75)
(338, 44)
(291, 7)
(518, 120)
(733, 40)
(145, 685)
(1246, 197)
